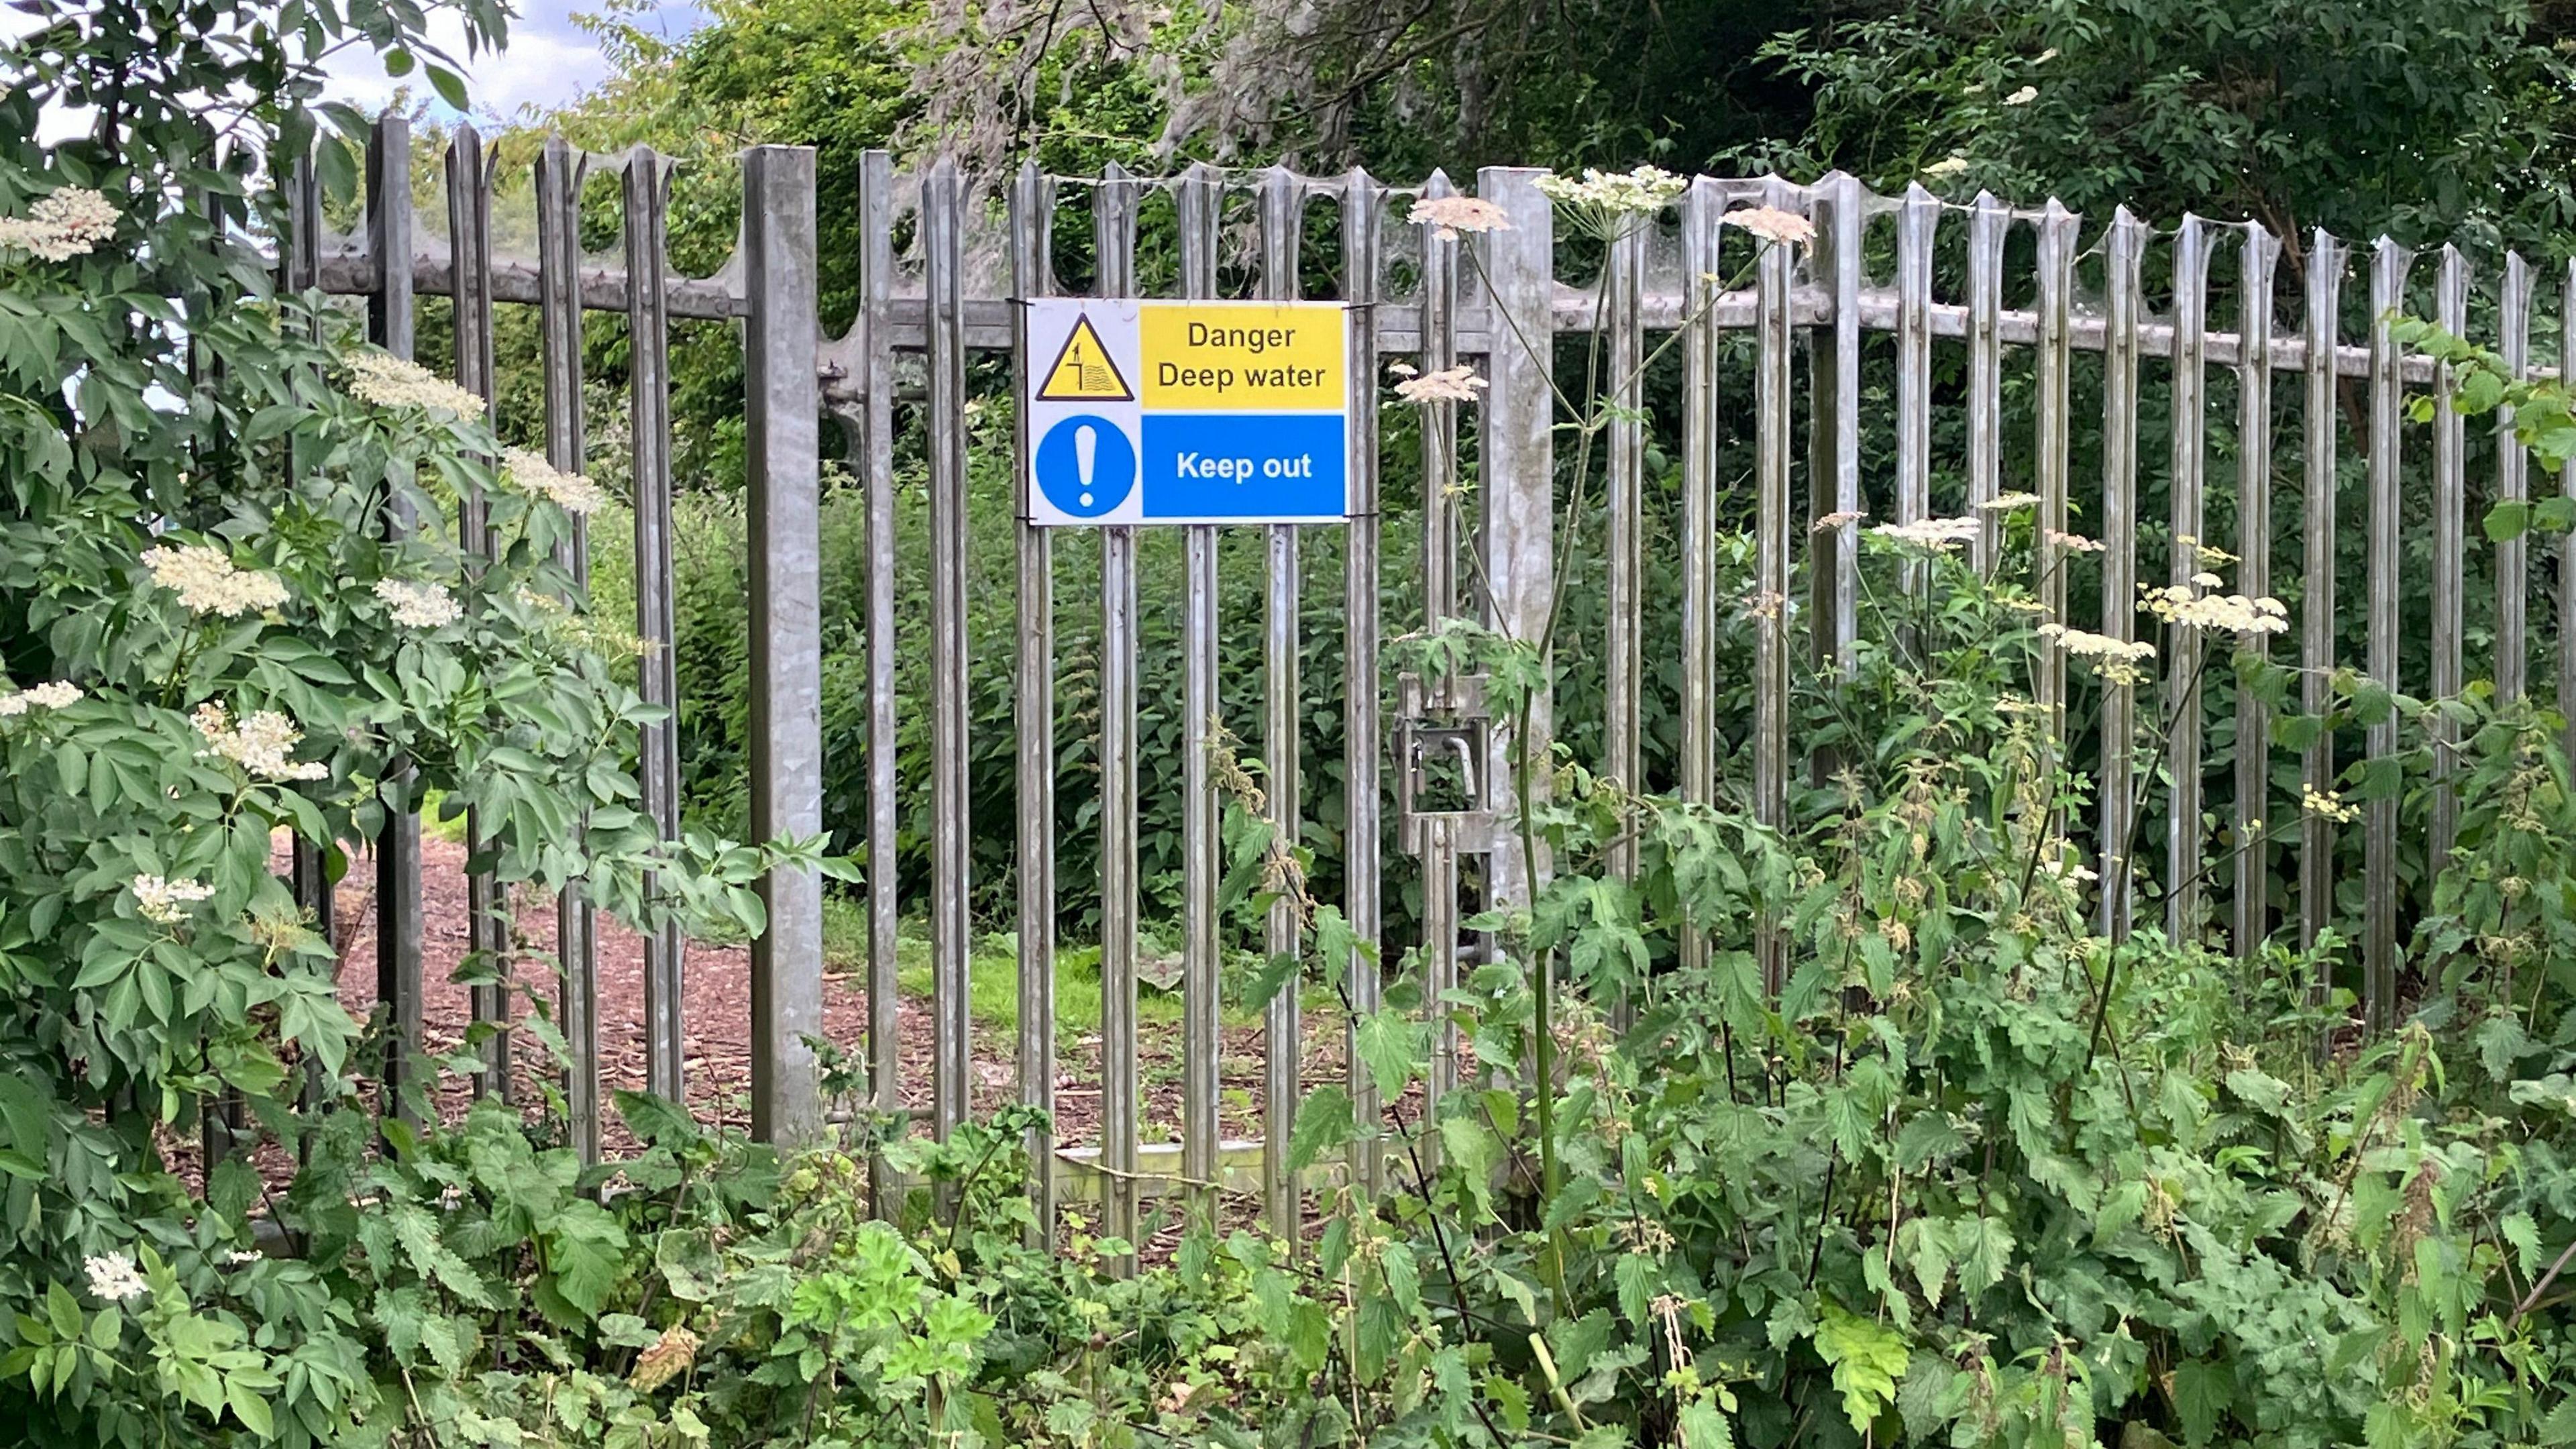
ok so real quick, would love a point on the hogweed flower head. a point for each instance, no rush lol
(262, 744)
(574, 493)
(2009, 503)
(207, 581)
(1833, 521)
(420, 605)
(2076, 542)
(1449, 384)
(1939, 535)
(165, 902)
(1450, 215)
(112, 1277)
(2187, 606)
(394, 382)
(1606, 203)
(51, 695)
(2115, 661)
(1772, 224)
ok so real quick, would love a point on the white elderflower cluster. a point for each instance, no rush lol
(1940, 535)
(1951, 165)
(1449, 384)
(52, 695)
(1450, 215)
(2116, 661)
(1606, 203)
(1772, 224)
(166, 902)
(571, 492)
(207, 582)
(262, 744)
(2326, 804)
(2197, 605)
(420, 605)
(2022, 97)
(392, 382)
(1833, 522)
(2009, 503)
(69, 223)
(113, 1279)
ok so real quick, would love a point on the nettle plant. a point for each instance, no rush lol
(1976, 1172)
(233, 610)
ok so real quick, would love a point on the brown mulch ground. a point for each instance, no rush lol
(716, 1000)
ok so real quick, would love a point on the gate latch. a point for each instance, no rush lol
(1441, 735)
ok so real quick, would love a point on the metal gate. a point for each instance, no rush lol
(1490, 543)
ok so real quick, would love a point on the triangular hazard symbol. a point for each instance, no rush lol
(1084, 371)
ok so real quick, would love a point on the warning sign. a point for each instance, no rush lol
(1187, 412)
(1084, 371)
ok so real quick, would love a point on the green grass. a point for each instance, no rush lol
(993, 972)
(451, 831)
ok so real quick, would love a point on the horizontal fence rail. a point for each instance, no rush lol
(1919, 358)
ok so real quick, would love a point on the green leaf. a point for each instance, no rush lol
(1575, 1341)
(250, 1408)
(2260, 1090)
(2510, 519)
(1925, 1242)
(432, 1259)
(1273, 977)
(1389, 1043)
(1472, 1150)
(2519, 1230)
(1703, 1427)
(1867, 1359)
(2201, 1393)
(1984, 1247)
(449, 85)
(1638, 1276)
(1323, 1123)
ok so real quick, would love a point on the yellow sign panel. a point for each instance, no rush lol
(1084, 371)
(1244, 356)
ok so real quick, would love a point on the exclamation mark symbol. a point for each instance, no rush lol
(1086, 447)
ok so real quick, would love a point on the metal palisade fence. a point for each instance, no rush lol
(2038, 366)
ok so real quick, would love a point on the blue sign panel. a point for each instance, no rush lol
(1237, 465)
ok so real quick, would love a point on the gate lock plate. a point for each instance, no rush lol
(1441, 735)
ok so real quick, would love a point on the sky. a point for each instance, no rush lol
(549, 60)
